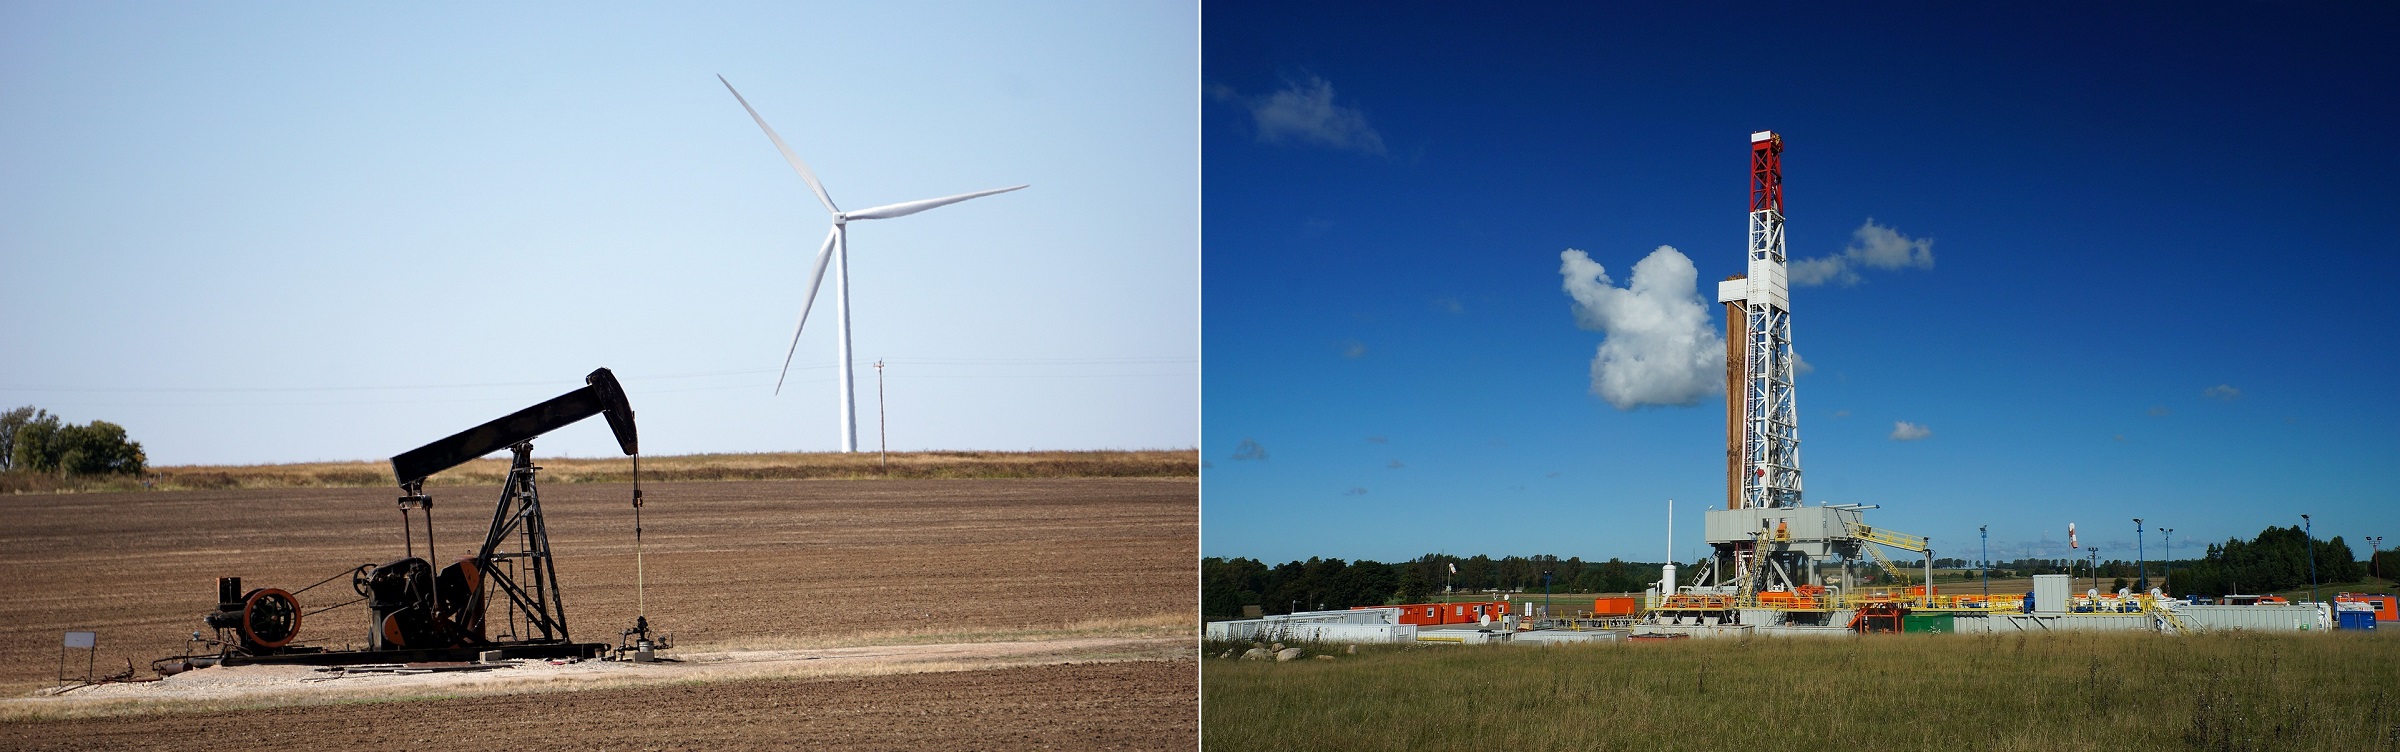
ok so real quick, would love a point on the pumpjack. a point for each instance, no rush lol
(417, 612)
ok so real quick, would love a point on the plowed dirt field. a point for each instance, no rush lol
(731, 566)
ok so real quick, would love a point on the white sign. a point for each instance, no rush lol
(80, 639)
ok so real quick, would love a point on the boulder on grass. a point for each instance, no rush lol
(1256, 654)
(1287, 654)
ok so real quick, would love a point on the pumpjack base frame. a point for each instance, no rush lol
(426, 655)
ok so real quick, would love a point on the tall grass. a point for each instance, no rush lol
(2084, 690)
(689, 467)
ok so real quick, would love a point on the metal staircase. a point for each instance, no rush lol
(1895, 539)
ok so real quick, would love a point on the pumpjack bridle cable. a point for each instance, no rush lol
(640, 591)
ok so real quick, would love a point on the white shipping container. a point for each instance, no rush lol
(2291, 618)
(2050, 593)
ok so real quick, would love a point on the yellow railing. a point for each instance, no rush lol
(1895, 539)
(1888, 568)
(1975, 602)
(2151, 606)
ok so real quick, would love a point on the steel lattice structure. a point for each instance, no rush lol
(1769, 547)
(1771, 419)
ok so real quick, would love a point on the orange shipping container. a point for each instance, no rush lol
(1612, 606)
(2387, 608)
(1420, 614)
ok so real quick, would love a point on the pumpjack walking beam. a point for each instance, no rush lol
(535, 600)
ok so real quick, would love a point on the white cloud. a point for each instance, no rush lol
(1354, 349)
(1905, 431)
(1872, 246)
(1303, 112)
(2222, 391)
(1800, 366)
(1660, 348)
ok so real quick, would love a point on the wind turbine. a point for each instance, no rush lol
(837, 251)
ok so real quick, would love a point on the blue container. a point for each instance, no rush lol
(2356, 620)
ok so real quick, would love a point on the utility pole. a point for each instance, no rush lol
(2095, 568)
(1986, 565)
(2307, 530)
(2374, 551)
(883, 444)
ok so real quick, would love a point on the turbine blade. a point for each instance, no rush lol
(903, 209)
(815, 279)
(788, 154)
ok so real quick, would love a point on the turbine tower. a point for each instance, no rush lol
(837, 251)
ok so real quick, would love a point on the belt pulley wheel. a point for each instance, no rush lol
(270, 618)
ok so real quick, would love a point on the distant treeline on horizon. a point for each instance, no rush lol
(1226, 585)
(2278, 559)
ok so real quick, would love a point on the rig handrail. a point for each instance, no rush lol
(1893, 538)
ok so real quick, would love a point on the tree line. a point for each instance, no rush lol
(1227, 585)
(34, 441)
(2278, 559)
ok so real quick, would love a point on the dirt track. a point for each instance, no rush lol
(773, 565)
(1140, 705)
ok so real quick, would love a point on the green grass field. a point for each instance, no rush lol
(1917, 692)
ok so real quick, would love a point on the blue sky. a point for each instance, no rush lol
(272, 232)
(2129, 259)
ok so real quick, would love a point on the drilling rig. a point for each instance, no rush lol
(418, 612)
(1767, 546)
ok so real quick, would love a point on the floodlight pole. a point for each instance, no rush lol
(1986, 564)
(2164, 580)
(2141, 559)
(2306, 530)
